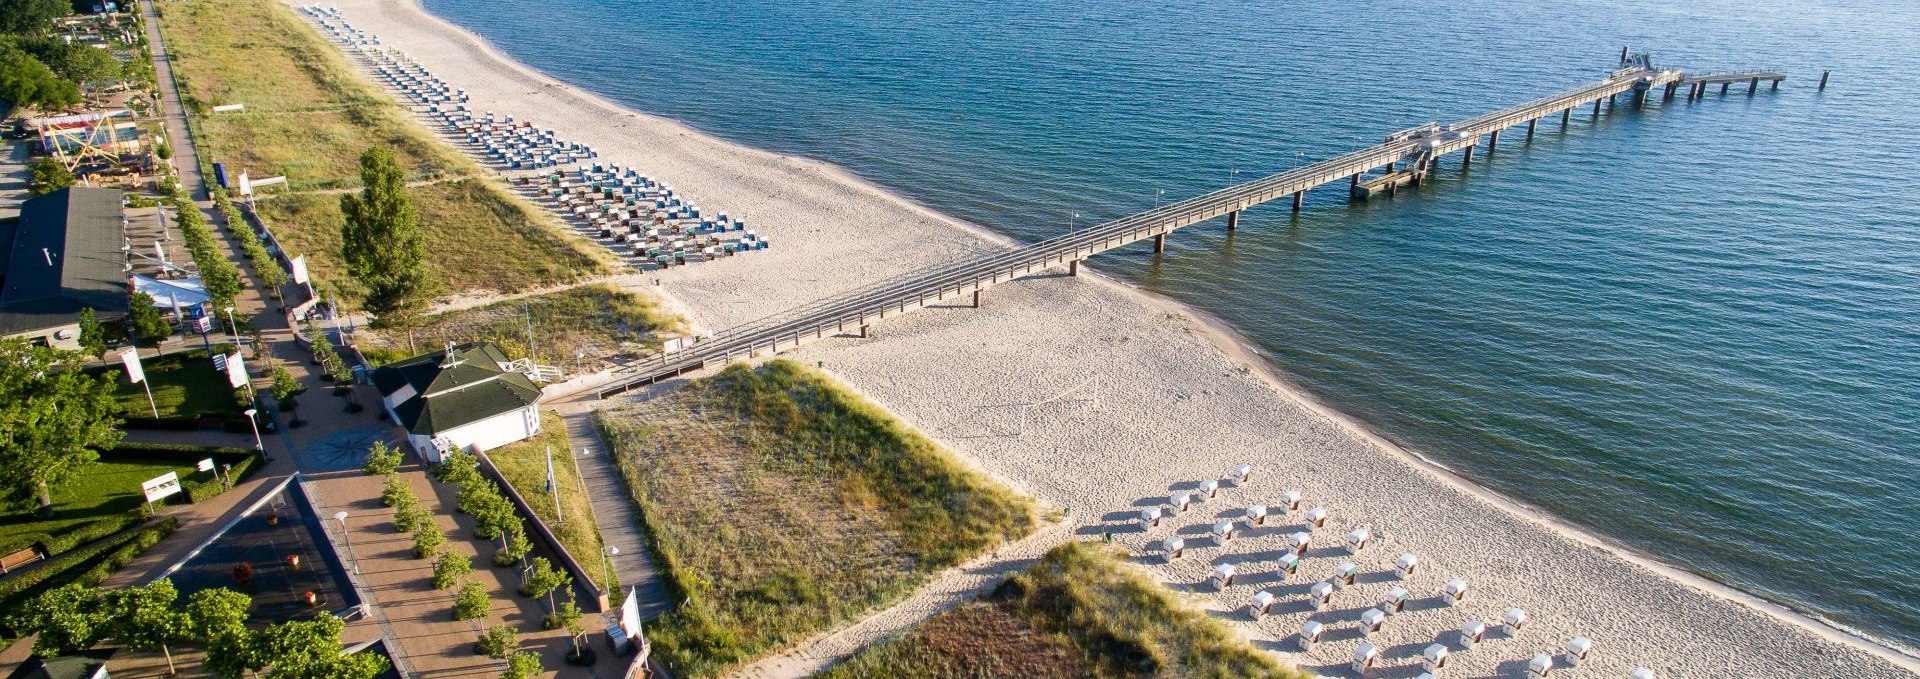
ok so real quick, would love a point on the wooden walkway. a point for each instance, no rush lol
(614, 512)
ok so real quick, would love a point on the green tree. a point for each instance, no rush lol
(513, 547)
(162, 151)
(149, 326)
(218, 618)
(384, 459)
(523, 665)
(568, 617)
(470, 603)
(52, 419)
(427, 540)
(31, 17)
(49, 175)
(311, 649)
(381, 242)
(68, 618)
(450, 569)
(82, 64)
(458, 469)
(284, 385)
(498, 642)
(145, 618)
(93, 336)
(543, 580)
(27, 82)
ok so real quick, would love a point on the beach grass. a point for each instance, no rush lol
(780, 504)
(1082, 611)
(184, 386)
(479, 239)
(598, 320)
(309, 115)
(524, 464)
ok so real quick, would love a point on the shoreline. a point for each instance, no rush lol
(1225, 339)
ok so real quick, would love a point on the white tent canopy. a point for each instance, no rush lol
(172, 293)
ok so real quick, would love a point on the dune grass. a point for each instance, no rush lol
(309, 115)
(478, 239)
(524, 464)
(1083, 611)
(599, 320)
(780, 504)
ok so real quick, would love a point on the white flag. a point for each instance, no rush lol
(131, 359)
(237, 371)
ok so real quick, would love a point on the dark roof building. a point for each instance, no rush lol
(82, 665)
(65, 254)
(466, 387)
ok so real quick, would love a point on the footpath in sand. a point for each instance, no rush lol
(1178, 402)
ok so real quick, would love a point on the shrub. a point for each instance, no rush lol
(523, 665)
(515, 548)
(471, 603)
(383, 460)
(498, 642)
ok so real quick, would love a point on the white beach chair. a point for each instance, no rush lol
(1223, 531)
(1364, 656)
(1344, 575)
(1241, 473)
(1454, 592)
(1210, 487)
(1512, 621)
(1396, 600)
(1262, 602)
(1173, 547)
(1577, 650)
(1290, 500)
(1300, 541)
(1317, 517)
(1472, 633)
(1289, 564)
(1643, 673)
(1149, 517)
(1371, 620)
(1256, 516)
(1434, 658)
(1223, 576)
(1357, 540)
(1406, 563)
(1310, 632)
(1322, 593)
(1179, 502)
(1540, 666)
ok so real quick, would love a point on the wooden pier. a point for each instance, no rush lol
(1403, 158)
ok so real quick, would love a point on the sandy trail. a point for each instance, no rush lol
(1179, 401)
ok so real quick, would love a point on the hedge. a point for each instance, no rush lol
(244, 461)
(88, 565)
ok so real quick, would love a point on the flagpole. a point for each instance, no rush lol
(150, 403)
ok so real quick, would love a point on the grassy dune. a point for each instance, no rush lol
(599, 320)
(1083, 611)
(309, 115)
(524, 464)
(781, 504)
(477, 239)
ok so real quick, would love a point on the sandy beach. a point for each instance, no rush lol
(1165, 398)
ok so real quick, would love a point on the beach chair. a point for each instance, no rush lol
(1262, 602)
(1310, 632)
(1405, 564)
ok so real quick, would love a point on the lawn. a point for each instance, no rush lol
(309, 115)
(524, 465)
(105, 490)
(780, 504)
(185, 385)
(477, 237)
(1082, 611)
(599, 321)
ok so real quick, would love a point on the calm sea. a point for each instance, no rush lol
(1694, 328)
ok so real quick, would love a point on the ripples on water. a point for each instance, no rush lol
(1691, 327)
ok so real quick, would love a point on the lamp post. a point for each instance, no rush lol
(1233, 176)
(1157, 195)
(606, 558)
(341, 516)
(233, 328)
(253, 418)
(1071, 219)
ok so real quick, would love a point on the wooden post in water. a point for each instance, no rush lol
(1723, 88)
(1493, 140)
(1530, 125)
(1596, 109)
(1565, 115)
(1623, 54)
(1823, 81)
(1753, 85)
(1159, 242)
(1233, 220)
(1299, 198)
(1467, 159)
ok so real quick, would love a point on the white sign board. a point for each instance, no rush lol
(300, 269)
(205, 465)
(161, 486)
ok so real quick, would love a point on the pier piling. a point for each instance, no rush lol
(1596, 109)
(1753, 86)
(1466, 158)
(1233, 220)
(1159, 242)
(1493, 140)
(1723, 88)
(1530, 125)
(1299, 199)
(1623, 54)
(1823, 81)
(1565, 115)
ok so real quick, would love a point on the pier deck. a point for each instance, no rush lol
(1404, 157)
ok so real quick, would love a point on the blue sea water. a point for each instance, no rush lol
(1694, 328)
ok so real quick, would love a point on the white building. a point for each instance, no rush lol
(467, 397)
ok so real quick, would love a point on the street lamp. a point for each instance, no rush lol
(607, 559)
(1157, 195)
(253, 418)
(341, 516)
(1070, 221)
(233, 329)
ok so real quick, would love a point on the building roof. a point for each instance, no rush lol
(81, 665)
(66, 255)
(433, 394)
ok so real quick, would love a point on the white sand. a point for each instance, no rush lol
(1179, 401)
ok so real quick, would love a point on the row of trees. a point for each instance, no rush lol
(220, 277)
(272, 275)
(76, 617)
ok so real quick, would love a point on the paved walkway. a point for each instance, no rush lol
(614, 513)
(946, 590)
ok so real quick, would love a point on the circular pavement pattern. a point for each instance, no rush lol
(344, 449)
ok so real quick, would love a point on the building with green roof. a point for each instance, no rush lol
(466, 397)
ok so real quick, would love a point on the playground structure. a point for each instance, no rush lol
(93, 142)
